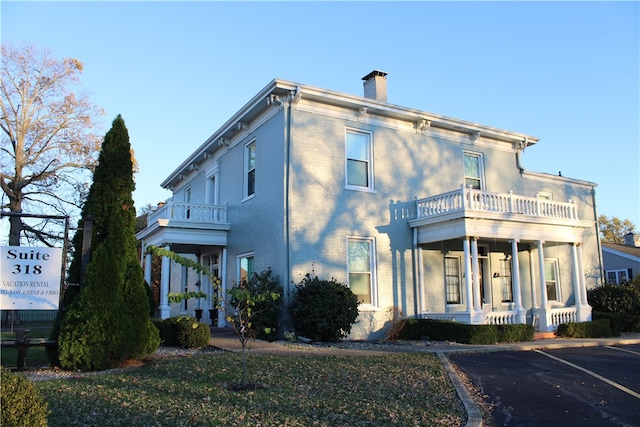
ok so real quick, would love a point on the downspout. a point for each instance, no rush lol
(520, 148)
(595, 214)
(294, 97)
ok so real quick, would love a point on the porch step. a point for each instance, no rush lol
(543, 335)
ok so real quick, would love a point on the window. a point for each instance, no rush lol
(245, 266)
(250, 169)
(551, 279)
(361, 267)
(473, 170)
(505, 277)
(617, 277)
(358, 151)
(545, 195)
(452, 280)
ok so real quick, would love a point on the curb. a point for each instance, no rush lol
(474, 416)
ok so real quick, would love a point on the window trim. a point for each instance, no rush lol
(480, 158)
(247, 171)
(447, 284)
(370, 172)
(372, 270)
(239, 259)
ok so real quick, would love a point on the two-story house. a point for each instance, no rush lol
(430, 215)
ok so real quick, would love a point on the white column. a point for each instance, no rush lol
(476, 275)
(577, 283)
(543, 283)
(583, 283)
(147, 268)
(223, 288)
(515, 271)
(467, 275)
(163, 308)
(532, 274)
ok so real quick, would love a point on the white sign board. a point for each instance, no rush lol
(30, 278)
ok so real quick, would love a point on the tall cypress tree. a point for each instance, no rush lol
(109, 321)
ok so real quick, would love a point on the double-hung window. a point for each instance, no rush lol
(452, 280)
(505, 277)
(250, 169)
(361, 266)
(358, 156)
(473, 170)
(551, 279)
(617, 277)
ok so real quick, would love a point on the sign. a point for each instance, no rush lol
(30, 278)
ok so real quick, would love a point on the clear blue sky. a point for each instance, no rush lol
(567, 73)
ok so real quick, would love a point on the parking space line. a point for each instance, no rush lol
(622, 349)
(593, 374)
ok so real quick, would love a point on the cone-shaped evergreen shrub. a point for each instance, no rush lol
(109, 321)
(323, 310)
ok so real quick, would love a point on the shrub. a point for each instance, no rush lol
(441, 330)
(21, 402)
(623, 300)
(593, 329)
(185, 332)
(323, 310)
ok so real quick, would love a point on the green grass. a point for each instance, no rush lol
(392, 389)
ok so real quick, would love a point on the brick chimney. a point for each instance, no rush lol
(631, 239)
(375, 85)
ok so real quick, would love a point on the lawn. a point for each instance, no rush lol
(196, 390)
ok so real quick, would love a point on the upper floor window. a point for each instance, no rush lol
(358, 156)
(187, 201)
(473, 170)
(360, 263)
(250, 169)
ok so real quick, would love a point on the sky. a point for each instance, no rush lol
(565, 72)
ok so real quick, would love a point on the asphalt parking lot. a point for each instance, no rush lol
(595, 386)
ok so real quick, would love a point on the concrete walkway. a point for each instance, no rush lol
(226, 339)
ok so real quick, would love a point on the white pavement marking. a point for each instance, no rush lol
(623, 349)
(593, 374)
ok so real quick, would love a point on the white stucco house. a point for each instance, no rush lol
(431, 215)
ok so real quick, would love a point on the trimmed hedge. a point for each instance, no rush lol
(183, 331)
(594, 329)
(21, 402)
(440, 330)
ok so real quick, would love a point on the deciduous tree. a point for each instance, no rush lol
(48, 147)
(614, 229)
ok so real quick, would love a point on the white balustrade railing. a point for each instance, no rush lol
(180, 211)
(501, 318)
(557, 316)
(469, 199)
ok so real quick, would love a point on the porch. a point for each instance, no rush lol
(187, 228)
(505, 241)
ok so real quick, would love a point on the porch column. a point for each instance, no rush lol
(477, 298)
(147, 268)
(577, 283)
(583, 283)
(532, 274)
(467, 275)
(223, 288)
(543, 283)
(163, 309)
(515, 272)
(542, 311)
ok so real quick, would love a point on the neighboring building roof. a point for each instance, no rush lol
(626, 251)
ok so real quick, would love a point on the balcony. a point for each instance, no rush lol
(186, 225)
(471, 212)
